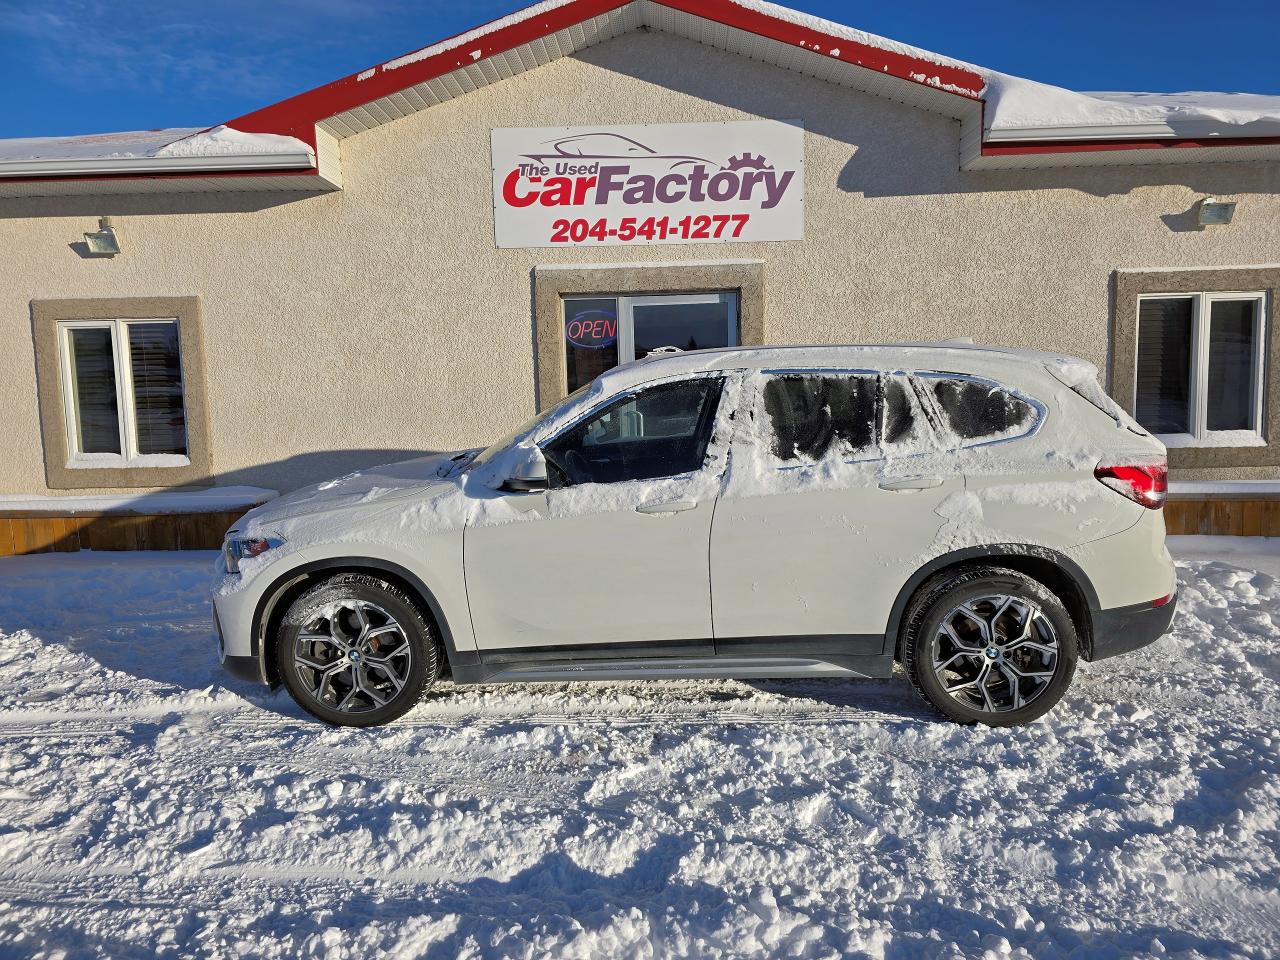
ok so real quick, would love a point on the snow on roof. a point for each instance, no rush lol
(217, 141)
(1015, 109)
(1015, 103)
(462, 39)
(98, 146)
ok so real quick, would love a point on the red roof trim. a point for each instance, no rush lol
(298, 115)
(1032, 147)
(949, 79)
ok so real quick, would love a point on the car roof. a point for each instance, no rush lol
(948, 356)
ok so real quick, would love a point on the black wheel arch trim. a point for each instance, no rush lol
(267, 603)
(994, 552)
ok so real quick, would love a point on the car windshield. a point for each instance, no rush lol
(528, 426)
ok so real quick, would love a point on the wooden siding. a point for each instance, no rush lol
(42, 533)
(1220, 516)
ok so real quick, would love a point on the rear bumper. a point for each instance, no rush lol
(1125, 629)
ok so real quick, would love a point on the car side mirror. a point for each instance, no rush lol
(529, 475)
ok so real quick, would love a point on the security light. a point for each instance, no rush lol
(1216, 212)
(103, 242)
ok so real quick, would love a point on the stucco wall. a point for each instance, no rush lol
(383, 318)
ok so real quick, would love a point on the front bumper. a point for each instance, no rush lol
(243, 668)
(1125, 629)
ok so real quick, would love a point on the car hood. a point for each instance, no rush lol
(420, 476)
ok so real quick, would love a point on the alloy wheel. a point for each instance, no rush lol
(353, 656)
(996, 653)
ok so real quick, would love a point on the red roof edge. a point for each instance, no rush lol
(948, 79)
(298, 115)
(1032, 147)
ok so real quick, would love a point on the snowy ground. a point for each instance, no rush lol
(150, 805)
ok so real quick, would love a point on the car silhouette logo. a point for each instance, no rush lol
(608, 146)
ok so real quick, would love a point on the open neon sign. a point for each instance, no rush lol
(592, 329)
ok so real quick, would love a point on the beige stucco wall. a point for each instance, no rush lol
(383, 318)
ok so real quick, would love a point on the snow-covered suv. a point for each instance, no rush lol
(982, 516)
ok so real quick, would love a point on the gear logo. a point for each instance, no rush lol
(747, 162)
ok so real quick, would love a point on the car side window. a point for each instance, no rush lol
(815, 416)
(978, 411)
(659, 431)
(907, 426)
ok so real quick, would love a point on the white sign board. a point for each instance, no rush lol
(650, 183)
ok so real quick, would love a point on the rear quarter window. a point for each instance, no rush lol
(979, 411)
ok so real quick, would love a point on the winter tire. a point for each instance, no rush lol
(989, 645)
(356, 651)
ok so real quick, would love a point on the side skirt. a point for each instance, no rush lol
(720, 667)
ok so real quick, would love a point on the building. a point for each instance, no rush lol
(417, 256)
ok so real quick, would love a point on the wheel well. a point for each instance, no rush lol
(282, 598)
(1044, 569)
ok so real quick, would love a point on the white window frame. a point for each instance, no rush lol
(1198, 388)
(129, 455)
(626, 316)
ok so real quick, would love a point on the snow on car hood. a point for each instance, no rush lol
(386, 482)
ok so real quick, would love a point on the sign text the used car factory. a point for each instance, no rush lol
(651, 183)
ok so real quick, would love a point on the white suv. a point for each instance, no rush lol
(982, 516)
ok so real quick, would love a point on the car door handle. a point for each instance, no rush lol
(667, 506)
(911, 483)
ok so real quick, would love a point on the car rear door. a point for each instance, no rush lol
(836, 494)
(612, 561)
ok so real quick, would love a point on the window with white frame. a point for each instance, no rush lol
(122, 390)
(1200, 368)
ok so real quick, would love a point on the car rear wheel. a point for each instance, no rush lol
(989, 645)
(356, 651)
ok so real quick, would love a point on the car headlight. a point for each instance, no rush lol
(235, 549)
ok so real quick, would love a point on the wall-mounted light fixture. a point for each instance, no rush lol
(1215, 213)
(103, 242)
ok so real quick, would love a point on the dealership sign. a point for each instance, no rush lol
(651, 183)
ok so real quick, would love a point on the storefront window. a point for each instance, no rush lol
(601, 332)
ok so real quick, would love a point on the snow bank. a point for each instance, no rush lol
(154, 806)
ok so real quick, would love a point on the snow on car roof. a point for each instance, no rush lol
(979, 360)
(910, 354)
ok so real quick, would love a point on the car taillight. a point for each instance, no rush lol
(1144, 484)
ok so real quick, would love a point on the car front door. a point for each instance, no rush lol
(839, 509)
(612, 559)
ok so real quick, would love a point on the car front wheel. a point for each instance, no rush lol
(989, 645)
(356, 651)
